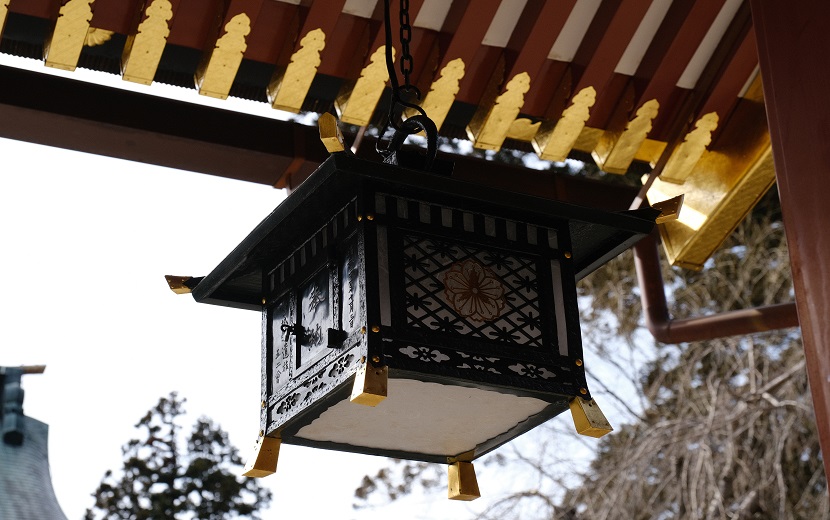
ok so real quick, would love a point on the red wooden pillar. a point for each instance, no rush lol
(793, 49)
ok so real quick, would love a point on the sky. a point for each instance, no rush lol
(86, 242)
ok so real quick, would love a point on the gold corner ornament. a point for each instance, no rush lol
(63, 47)
(370, 385)
(288, 88)
(4, 10)
(489, 126)
(669, 209)
(177, 284)
(461, 482)
(685, 157)
(264, 460)
(615, 151)
(442, 92)
(356, 103)
(215, 75)
(555, 140)
(96, 36)
(588, 418)
(330, 133)
(143, 50)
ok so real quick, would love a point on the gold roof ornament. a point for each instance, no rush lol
(63, 48)
(289, 87)
(215, 75)
(143, 49)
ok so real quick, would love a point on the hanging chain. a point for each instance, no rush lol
(406, 96)
(406, 37)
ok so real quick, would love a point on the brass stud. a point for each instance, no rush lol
(362, 359)
(263, 404)
(363, 330)
(583, 391)
(263, 301)
(375, 359)
(375, 328)
(370, 217)
(567, 254)
(579, 362)
(359, 218)
(261, 433)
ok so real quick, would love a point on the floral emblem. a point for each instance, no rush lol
(474, 291)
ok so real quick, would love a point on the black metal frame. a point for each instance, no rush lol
(366, 215)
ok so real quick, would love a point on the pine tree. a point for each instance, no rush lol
(159, 479)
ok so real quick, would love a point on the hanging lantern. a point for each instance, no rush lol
(411, 315)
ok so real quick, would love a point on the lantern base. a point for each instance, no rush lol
(462, 483)
(422, 420)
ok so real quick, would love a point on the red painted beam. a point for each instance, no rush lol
(793, 45)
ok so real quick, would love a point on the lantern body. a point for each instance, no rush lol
(464, 296)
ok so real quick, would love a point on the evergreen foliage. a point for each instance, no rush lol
(160, 479)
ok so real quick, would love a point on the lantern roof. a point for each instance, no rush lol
(597, 236)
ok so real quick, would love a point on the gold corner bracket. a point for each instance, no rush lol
(669, 209)
(330, 133)
(370, 385)
(588, 418)
(178, 284)
(462, 483)
(263, 462)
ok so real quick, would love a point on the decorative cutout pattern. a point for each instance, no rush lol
(552, 377)
(325, 376)
(435, 291)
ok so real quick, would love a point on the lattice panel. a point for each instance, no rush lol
(466, 289)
